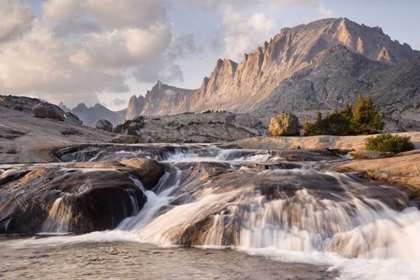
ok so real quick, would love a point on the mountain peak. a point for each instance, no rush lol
(135, 107)
(240, 86)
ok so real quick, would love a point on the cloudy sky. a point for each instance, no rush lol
(107, 50)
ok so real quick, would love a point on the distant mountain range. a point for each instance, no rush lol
(319, 66)
(91, 115)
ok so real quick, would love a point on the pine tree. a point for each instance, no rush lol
(365, 119)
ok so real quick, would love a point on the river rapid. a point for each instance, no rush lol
(226, 213)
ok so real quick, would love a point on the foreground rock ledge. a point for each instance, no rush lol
(402, 170)
(77, 198)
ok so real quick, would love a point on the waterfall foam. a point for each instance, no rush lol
(207, 197)
(59, 217)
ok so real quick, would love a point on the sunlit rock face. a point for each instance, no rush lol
(320, 66)
(78, 197)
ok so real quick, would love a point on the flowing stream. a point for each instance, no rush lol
(291, 212)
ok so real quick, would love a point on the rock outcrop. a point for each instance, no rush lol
(104, 125)
(284, 125)
(370, 154)
(72, 118)
(41, 135)
(193, 128)
(45, 110)
(37, 107)
(68, 200)
(135, 107)
(149, 171)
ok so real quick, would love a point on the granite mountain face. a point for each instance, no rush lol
(312, 67)
(317, 66)
(135, 107)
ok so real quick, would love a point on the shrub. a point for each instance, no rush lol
(336, 123)
(363, 119)
(389, 143)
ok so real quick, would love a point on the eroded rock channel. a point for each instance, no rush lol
(210, 195)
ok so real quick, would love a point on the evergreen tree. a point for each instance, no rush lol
(365, 119)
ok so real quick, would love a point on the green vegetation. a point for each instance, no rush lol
(389, 143)
(363, 119)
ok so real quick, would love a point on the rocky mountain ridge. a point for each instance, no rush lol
(91, 115)
(260, 73)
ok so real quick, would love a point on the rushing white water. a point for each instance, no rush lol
(361, 229)
(59, 216)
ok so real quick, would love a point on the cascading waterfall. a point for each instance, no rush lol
(291, 211)
(59, 217)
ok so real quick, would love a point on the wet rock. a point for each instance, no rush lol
(308, 155)
(46, 110)
(341, 151)
(400, 170)
(97, 164)
(104, 125)
(259, 166)
(370, 154)
(72, 118)
(68, 200)
(284, 125)
(149, 171)
(125, 139)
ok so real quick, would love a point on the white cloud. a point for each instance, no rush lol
(244, 5)
(246, 24)
(324, 11)
(127, 13)
(242, 35)
(283, 4)
(59, 9)
(170, 92)
(15, 19)
(118, 102)
(83, 47)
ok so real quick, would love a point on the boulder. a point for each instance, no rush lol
(370, 154)
(68, 200)
(148, 170)
(284, 125)
(104, 125)
(72, 118)
(46, 110)
(125, 139)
